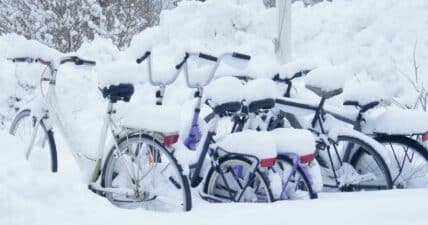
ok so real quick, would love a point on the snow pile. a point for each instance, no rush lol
(249, 142)
(118, 73)
(225, 89)
(297, 141)
(260, 89)
(386, 120)
(167, 120)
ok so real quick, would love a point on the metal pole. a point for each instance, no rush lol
(283, 41)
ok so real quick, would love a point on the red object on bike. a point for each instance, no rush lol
(307, 158)
(170, 140)
(425, 137)
(268, 162)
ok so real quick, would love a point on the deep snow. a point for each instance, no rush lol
(31, 195)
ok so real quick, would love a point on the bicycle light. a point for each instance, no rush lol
(425, 137)
(170, 139)
(307, 158)
(268, 162)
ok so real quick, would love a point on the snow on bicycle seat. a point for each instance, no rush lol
(260, 94)
(365, 93)
(327, 81)
(118, 73)
(299, 141)
(393, 120)
(158, 118)
(224, 90)
(260, 144)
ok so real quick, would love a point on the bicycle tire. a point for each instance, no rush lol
(212, 176)
(370, 151)
(301, 173)
(49, 133)
(107, 171)
(407, 142)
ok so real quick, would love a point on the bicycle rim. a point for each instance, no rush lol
(367, 161)
(407, 161)
(234, 183)
(150, 175)
(296, 185)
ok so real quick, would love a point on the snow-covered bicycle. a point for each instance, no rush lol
(363, 168)
(400, 131)
(231, 174)
(131, 174)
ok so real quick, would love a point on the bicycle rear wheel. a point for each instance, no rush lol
(407, 160)
(234, 181)
(297, 184)
(23, 126)
(142, 173)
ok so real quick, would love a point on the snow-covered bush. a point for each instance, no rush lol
(65, 25)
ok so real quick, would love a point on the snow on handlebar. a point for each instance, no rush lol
(74, 59)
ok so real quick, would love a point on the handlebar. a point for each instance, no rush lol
(363, 108)
(144, 57)
(74, 59)
(218, 60)
(184, 60)
(277, 77)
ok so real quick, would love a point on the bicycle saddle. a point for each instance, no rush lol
(120, 92)
(324, 93)
(255, 106)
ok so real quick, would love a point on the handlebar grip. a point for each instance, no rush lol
(371, 105)
(22, 59)
(144, 57)
(208, 57)
(241, 56)
(276, 78)
(79, 61)
(186, 56)
(354, 103)
(301, 73)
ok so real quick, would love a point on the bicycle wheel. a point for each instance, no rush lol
(142, 173)
(296, 185)
(233, 181)
(372, 171)
(23, 126)
(407, 160)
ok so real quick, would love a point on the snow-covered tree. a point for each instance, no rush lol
(66, 24)
(61, 24)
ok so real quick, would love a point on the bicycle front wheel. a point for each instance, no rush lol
(407, 160)
(142, 173)
(23, 126)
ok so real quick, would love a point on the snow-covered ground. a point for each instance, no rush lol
(366, 41)
(32, 195)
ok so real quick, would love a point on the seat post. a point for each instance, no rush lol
(319, 110)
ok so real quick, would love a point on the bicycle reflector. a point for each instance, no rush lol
(268, 162)
(170, 139)
(425, 137)
(307, 158)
